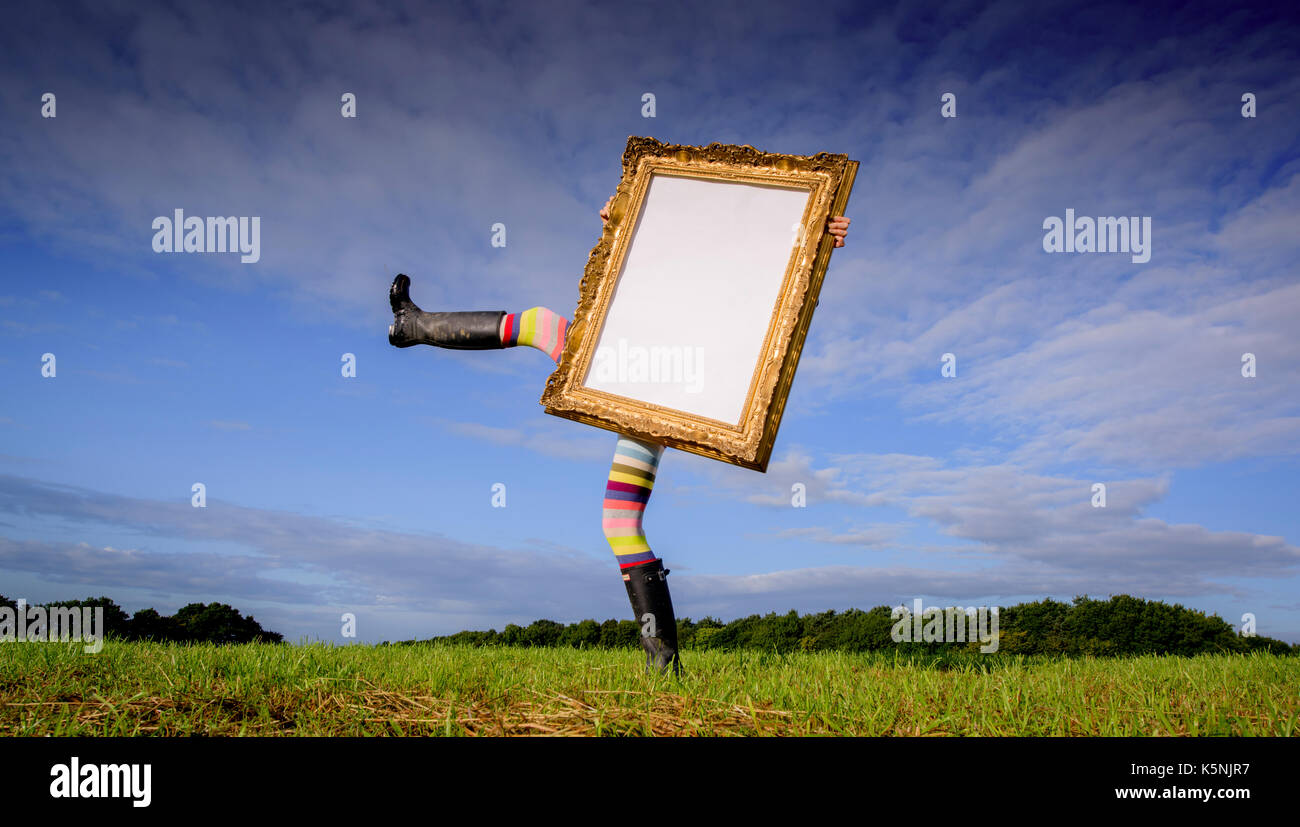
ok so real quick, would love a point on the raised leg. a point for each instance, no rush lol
(473, 330)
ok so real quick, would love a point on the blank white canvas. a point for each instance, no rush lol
(695, 298)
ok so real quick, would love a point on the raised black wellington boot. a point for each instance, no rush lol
(647, 588)
(472, 330)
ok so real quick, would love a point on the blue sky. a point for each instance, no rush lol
(372, 494)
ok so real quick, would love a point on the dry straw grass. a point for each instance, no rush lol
(268, 690)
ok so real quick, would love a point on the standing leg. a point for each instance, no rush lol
(631, 479)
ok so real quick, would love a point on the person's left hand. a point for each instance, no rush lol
(838, 227)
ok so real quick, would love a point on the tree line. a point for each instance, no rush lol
(192, 623)
(1122, 625)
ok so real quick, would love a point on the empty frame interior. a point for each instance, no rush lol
(692, 306)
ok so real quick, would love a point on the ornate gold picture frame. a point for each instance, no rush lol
(696, 301)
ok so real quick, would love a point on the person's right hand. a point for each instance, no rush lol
(604, 211)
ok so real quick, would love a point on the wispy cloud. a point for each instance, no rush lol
(290, 558)
(1047, 525)
(541, 439)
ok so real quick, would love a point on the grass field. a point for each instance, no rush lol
(263, 689)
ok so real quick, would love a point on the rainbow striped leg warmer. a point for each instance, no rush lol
(539, 327)
(631, 478)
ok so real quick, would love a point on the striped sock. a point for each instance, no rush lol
(631, 478)
(539, 327)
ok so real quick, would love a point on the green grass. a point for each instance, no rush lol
(262, 689)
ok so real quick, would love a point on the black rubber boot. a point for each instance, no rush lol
(473, 330)
(647, 588)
